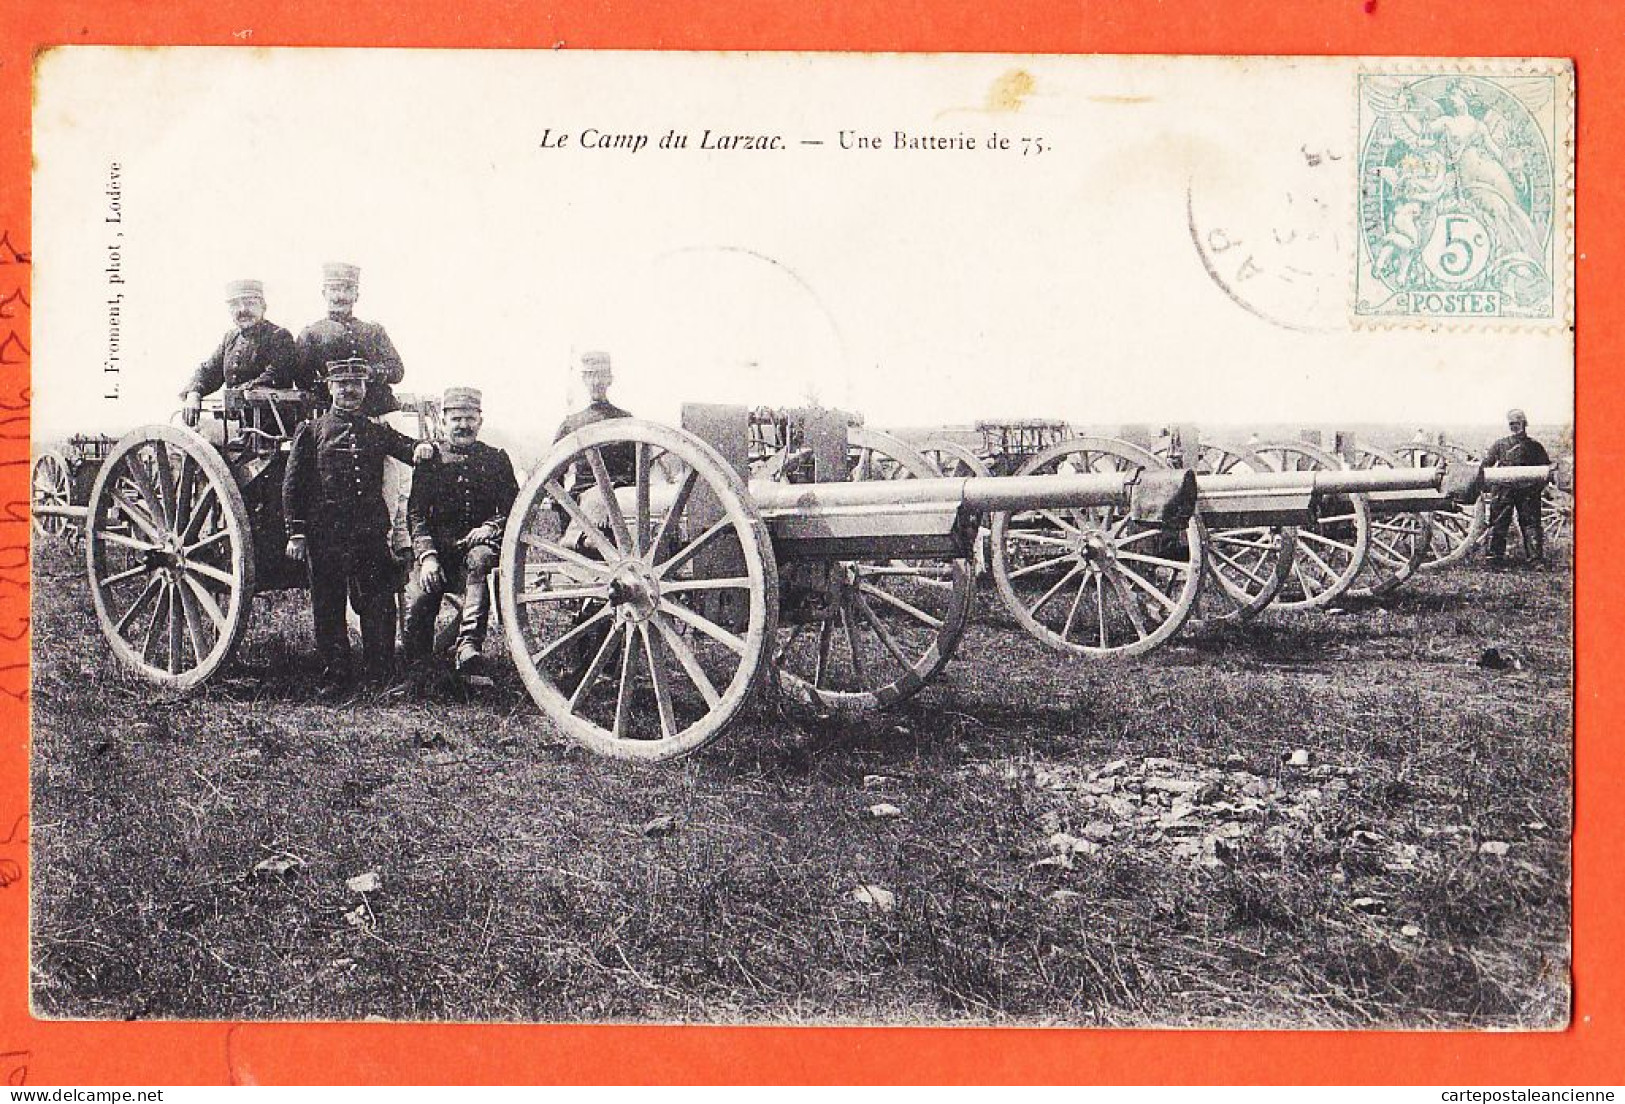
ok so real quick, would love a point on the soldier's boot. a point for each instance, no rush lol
(476, 608)
(1534, 546)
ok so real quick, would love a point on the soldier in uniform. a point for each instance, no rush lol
(343, 336)
(1515, 449)
(596, 375)
(256, 353)
(457, 511)
(338, 523)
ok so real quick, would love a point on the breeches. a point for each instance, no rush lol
(1526, 507)
(465, 574)
(361, 572)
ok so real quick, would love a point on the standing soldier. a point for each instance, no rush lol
(256, 353)
(333, 499)
(457, 511)
(1517, 448)
(619, 459)
(343, 336)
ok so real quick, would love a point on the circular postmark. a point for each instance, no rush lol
(1272, 232)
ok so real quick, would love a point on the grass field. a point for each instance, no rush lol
(1080, 844)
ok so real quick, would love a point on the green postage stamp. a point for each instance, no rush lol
(1465, 193)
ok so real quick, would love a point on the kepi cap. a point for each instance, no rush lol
(594, 363)
(350, 368)
(461, 398)
(1516, 415)
(337, 272)
(236, 289)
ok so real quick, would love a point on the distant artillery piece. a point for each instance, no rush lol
(1401, 525)
(643, 613)
(1460, 531)
(860, 632)
(1250, 552)
(1093, 580)
(184, 527)
(60, 484)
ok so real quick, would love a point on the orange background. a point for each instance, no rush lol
(1591, 1051)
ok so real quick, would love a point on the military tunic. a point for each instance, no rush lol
(620, 460)
(457, 511)
(263, 355)
(1516, 450)
(333, 493)
(340, 337)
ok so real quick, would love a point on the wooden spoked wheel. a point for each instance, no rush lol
(170, 555)
(1556, 513)
(51, 485)
(856, 635)
(1246, 565)
(639, 592)
(1399, 542)
(1458, 528)
(1091, 581)
(953, 459)
(1332, 551)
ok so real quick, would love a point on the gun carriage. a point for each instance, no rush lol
(183, 527)
(643, 612)
(653, 579)
(60, 484)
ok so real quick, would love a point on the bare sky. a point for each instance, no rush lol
(915, 286)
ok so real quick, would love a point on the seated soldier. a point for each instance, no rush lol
(257, 353)
(457, 510)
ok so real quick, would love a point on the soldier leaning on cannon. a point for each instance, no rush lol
(257, 353)
(338, 523)
(343, 336)
(1517, 448)
(457, 510)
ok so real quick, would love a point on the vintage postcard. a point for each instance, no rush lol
(802, 539)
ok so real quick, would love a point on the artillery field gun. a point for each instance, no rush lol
(183, 527)
(643, 613)
(653, 579)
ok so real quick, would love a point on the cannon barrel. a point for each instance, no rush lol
(1346, 481)
(975, 493)
(78, 513)
(1532, 475)
(920, 518)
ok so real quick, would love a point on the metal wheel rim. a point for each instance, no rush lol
(857, 629)
(1094, 546)
(645, 627)
(1320, 574)
(171, 528)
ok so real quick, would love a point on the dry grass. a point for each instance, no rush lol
(517, 885)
